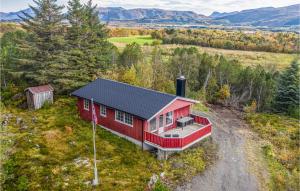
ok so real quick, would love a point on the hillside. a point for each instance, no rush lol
(51, 149)
(149, 15)
(261, 17)
(268, 16)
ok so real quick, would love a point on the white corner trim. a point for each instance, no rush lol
(188, 99)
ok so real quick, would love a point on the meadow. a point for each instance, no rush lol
(247, 58)
(51, 149)
(281, 149)
(141, 40)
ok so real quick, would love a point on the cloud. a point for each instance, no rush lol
(200, 6)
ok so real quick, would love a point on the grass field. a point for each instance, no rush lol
(281, 150)
(141, 40)
(9, 27)
(246, 58)
(54, 152)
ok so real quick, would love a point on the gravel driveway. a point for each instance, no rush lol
(240, 166)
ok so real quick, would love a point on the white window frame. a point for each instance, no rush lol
(161, 125)
(86, 104)
(123, 114)
(103, 108)
(130, 119)
(116, 114)
(153, 130)
(172, 114)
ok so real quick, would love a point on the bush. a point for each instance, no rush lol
(156, 43)
(251, 108)
(160, 186)
(22, 183)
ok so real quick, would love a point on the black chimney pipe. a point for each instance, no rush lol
(180, 86)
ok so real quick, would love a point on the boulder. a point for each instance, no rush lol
(34, 119)
(23, 127)
(19, 120)
(152, 181)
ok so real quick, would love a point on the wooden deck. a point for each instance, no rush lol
(186, 136)
(183, 131)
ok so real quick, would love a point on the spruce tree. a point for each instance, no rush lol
(77, 19)
(288, 92)
(47, 44)
(89, 54)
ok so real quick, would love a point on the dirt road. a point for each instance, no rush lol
(240, 166)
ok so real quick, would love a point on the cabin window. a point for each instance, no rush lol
(119, 116)
(103, 110)
(86, 104)
(153, 124)
(128, 119)
(123, 117)
(161, 120)
(169, 118)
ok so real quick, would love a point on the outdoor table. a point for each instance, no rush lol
(185, 121)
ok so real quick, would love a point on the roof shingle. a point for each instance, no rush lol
(39, 89)
(138, 101)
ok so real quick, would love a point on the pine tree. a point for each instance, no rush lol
(288, 92)
(47, 43)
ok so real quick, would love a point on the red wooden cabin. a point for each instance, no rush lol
(145, 117)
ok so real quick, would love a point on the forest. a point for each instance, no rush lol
(47, 51)
(285, 42)
(68, 57)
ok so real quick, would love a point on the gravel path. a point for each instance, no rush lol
(239, 151)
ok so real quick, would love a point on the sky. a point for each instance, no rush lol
(205, 7)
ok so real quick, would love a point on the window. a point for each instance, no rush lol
(119, 116)
(169, 118)
(103, 110)
(86, 104)
(123, 117)
(161, 120)
(153, 124)
(128, 119)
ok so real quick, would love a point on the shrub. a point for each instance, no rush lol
(251, 108)
(156, 43)
(160, 186)
(22, 183)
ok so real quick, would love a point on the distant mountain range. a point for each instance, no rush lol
(267, 16)
(261, 17)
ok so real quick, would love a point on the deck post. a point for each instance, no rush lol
(162, 155)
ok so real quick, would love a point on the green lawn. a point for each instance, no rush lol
(55, 152)
(127, 40)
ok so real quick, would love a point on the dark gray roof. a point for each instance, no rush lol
(140, 102)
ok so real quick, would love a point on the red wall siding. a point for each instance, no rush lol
(180, 108)
(109, 121)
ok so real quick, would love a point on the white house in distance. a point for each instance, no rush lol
(38, 95)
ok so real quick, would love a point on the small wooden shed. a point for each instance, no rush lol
(37, 96)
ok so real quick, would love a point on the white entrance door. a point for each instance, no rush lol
(161, 124)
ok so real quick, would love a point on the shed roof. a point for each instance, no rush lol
(138, 101)
(39, 89)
